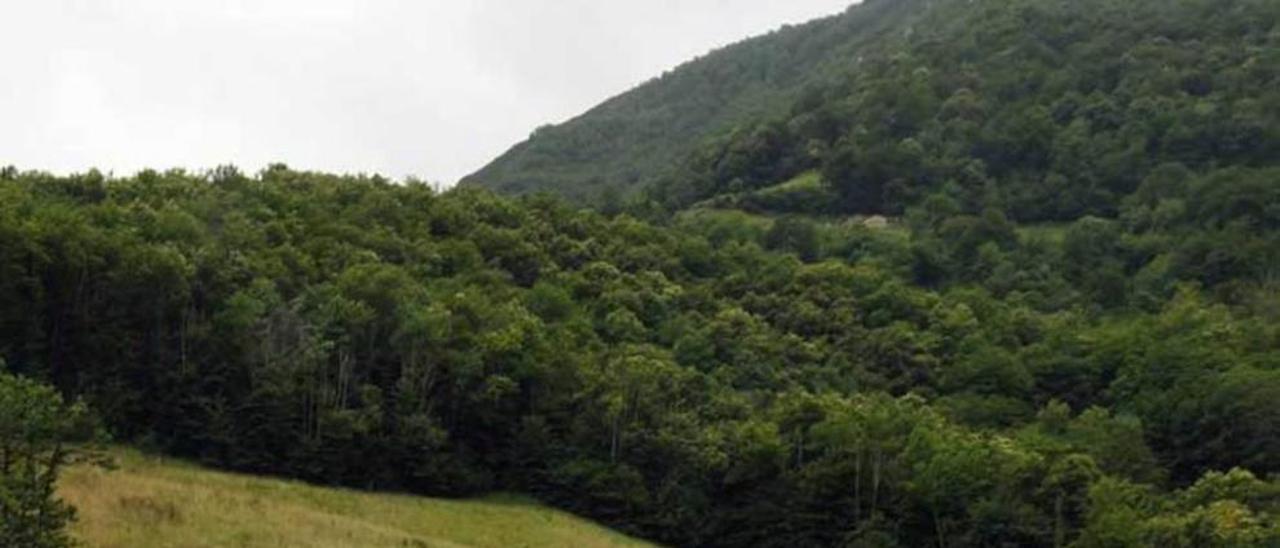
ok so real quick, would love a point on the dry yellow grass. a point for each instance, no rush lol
(149, 502)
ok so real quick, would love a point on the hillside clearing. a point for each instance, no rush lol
(153, 502)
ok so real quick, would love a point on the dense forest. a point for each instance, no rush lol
(1048, 109)
(925, 273)
(723, 380)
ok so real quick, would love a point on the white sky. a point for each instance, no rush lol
(429, 88)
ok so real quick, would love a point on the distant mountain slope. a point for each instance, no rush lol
(632, 139)
(1045, 109)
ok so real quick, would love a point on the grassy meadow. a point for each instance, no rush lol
(153, 502)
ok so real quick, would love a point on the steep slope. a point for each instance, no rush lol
(632, 139)
(1044, 109)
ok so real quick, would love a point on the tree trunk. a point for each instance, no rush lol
(939, 529)
(614, 441)
(876, 462)
(1059, 532)
(857, 486)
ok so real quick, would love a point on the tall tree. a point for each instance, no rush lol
(38, 430)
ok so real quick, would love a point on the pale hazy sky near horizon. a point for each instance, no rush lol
(429, 88)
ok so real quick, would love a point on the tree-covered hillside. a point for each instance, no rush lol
(727, 380)
(631, 140)
(1059, 326)
(1044, 109)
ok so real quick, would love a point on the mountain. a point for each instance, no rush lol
(1045, 109)
(631, 140)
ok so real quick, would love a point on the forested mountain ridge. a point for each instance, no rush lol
(1048, 110)
(631, 140)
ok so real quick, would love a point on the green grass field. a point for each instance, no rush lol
(809, 180)
(150, 502)
(1053, 233)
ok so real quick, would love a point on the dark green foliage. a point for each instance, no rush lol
(37, 430)
(1043, 109)
(793, 235)
(954, 379)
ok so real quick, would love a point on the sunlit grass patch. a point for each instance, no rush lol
(154, 502)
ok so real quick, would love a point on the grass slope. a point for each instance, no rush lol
(152, 502)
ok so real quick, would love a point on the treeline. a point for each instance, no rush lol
(954, 380)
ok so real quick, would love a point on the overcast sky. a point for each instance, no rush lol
(428, 88)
